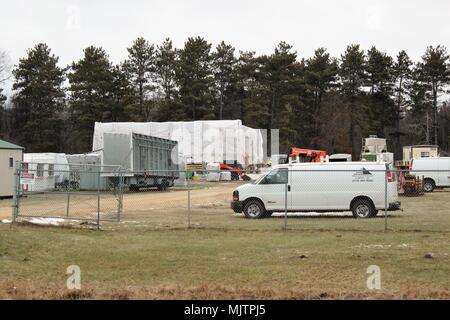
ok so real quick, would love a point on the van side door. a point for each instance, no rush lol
(309, 189)
(273, 188)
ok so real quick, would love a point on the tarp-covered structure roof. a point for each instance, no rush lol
(198, 141)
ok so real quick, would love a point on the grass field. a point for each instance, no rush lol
(150, 253)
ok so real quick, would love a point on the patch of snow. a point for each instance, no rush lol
(47, 221)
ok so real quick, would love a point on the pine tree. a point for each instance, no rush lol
(380, 77)
(38, 100)
(278, 75)
(170, 107)
(320, 76)
(223, 68)
(352, 75)
(402, 76)
(122, 93)
(195, 79)
(165, 67)
(92, 90)
(434, 72)
(246, 87)
(141, 68)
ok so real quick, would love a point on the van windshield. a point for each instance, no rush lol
(257, 181)
(275, 176)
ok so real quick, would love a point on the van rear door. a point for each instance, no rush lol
(444, 172)
(391, 176)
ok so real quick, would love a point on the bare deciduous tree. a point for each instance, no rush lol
(5, 66)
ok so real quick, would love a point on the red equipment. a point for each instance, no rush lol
(235, 172)
(306, 155)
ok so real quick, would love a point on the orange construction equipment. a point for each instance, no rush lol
(306, 155)
(236, 171)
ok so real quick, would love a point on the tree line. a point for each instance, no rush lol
(321, 102)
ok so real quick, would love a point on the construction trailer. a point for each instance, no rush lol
(419, 151)
(9, 155)
(47, 171)
(143, 161)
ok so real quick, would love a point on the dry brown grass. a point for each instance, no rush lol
(25, 291)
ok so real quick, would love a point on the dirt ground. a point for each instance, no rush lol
(85, 204)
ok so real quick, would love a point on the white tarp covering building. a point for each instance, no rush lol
(198, 141)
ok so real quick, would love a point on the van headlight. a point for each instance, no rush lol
(235, 195)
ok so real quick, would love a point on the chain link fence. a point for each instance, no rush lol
(50, 194)
(367, 199)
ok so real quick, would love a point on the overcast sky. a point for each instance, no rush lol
(68, 26)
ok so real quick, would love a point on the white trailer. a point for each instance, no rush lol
(47, 170)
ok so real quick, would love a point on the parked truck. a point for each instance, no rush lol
(145, 161)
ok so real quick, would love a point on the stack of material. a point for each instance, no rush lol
(213, 172)
(225, 176)
(213, 176)
(213, 166)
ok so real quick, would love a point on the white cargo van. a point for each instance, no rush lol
(435, 172)
(323, 187)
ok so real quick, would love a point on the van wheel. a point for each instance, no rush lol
(363, 209)
(428, 185)
(254, 209)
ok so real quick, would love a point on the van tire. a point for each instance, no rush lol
(363, 209)
(428, 185)
(254, 209)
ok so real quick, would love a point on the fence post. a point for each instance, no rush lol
(68, 199)
(120, 194)
(16, 193)
(385, 199)
(98, 200)
(189, 200)
(285, 205)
